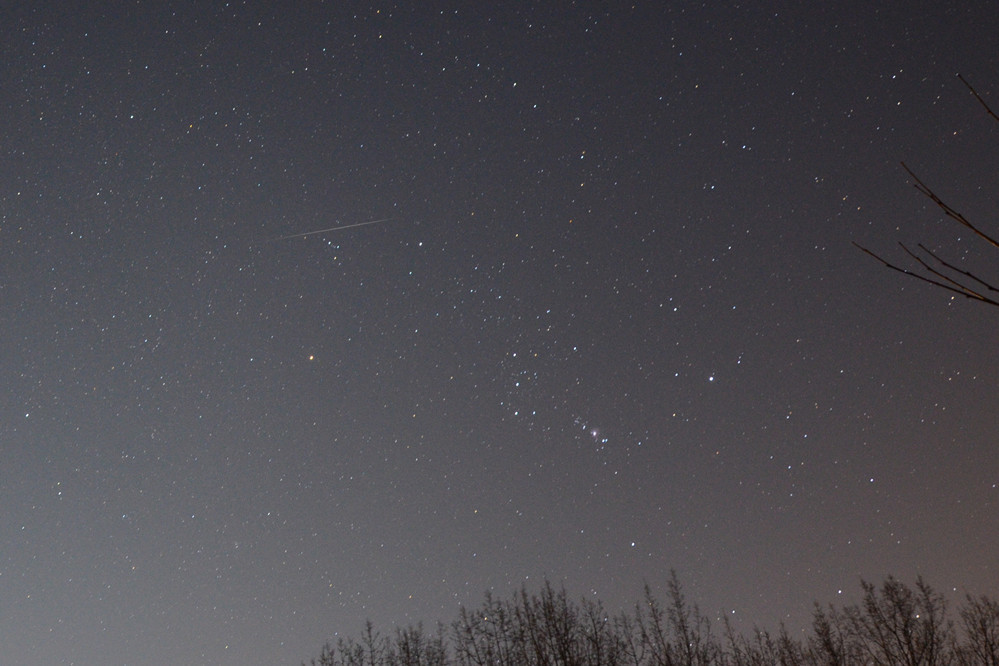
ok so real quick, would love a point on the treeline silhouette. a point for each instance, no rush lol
(894, 624)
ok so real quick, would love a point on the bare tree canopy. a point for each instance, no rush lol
(893, 625)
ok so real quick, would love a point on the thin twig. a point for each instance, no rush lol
(978, 97)
(946, 278)
(950, 212)
(954, 268)
(966, 292)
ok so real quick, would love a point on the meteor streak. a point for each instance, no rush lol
(323, 231)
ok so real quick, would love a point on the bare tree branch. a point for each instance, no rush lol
(950, 212)
(978, 97)
(954, 268)
(960, 289)
(938, 271)
(931, 270)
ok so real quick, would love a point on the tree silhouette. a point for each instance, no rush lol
(899, 625)
(980, 621)
(893, 625)
(930, 267)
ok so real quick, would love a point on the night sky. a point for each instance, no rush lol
(606, 320)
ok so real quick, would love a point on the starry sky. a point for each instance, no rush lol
(606, 319)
